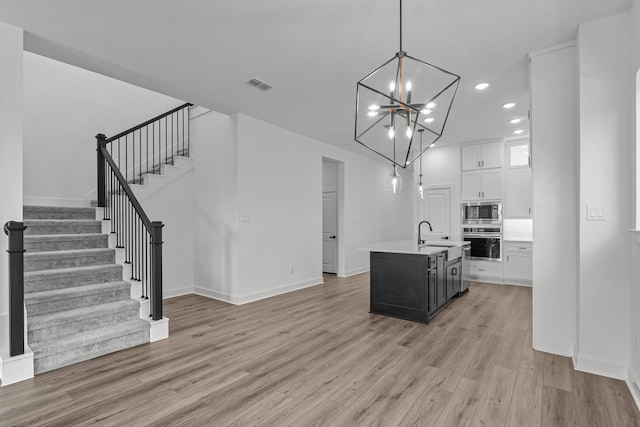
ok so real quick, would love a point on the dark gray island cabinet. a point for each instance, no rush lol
(413, 286)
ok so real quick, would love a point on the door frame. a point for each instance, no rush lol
(339, 190)
(419, 214)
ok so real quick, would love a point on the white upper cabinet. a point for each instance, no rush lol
(482, 185)
(518, 200)
(482, 156)
(517, 152)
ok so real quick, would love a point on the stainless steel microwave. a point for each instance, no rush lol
(482, 213)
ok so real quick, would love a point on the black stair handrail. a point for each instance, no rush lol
(148, 122)
(140, 237)
(15, 231)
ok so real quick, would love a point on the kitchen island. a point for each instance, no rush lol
(414, 282)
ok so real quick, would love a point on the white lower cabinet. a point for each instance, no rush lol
(518, 266)
(489, 271)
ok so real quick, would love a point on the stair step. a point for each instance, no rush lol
(51, 260)
(57, 212)
(63, 242)
(59, 352)
(64, 323)
(62, 226)
(44, 280)
(56, 300)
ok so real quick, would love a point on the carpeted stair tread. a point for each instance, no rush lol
(45, 320)
(58, 212)
(59, 278)
(65, 293)
(62, 226)
(87, 338)
(50, 260)
(55, 242)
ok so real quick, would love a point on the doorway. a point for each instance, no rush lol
(436, 208)
(332, 172)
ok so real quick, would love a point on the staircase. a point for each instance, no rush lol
(78, 306)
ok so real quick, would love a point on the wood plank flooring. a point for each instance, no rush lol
(317, 357)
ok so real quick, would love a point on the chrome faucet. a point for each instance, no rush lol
(420, 241)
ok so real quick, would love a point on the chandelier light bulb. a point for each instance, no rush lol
(420, 191)
(429, 119)
(394, 182)
(408, 85)
(408, 132)
(391, 133)
(392, 86)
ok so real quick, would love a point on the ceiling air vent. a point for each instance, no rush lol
(259, 84)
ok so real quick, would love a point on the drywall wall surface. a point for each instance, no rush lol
(215, 205)
(605, 148)
(280, 208)
(10, 155)
(554, 174)
(64, 108)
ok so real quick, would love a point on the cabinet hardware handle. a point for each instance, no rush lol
(483, 194)
(478, 194)
(507, 257)
(478, 163)
(529, 210)
(454, 271)
(481, 269)
(523, 249)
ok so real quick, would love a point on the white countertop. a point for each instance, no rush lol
(410, 247)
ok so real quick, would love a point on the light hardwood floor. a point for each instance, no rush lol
(317, 357)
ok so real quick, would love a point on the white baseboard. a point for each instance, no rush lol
(256, 296)
(170, 293)
(17, 368)
(633, 382)
(55, 201)
(353, 272)
(159, 329)
(553, 351)
(597, 366)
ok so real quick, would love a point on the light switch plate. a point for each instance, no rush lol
(244, 218)
(596, 213)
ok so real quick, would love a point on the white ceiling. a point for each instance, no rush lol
(313, 52)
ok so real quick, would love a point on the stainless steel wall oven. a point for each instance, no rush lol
(486, 243)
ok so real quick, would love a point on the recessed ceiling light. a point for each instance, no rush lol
(515, 121)
(425, 111)
(372, 113)
(429, 119)
(431, 105)
(482, 86)
(518, 131)
(509, 105)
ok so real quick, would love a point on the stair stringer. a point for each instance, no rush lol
(159, 328)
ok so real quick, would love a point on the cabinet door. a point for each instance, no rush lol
(518, 266)
(491, 155)
(432, 285)
(471, 185)
(491, 184)
(453, 280)
(518, 200)
(471, 157)
(441, 285)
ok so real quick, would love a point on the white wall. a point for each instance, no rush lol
(604, 79)
(215, 205)
(64, 108)
(10, 156)
(634, 300)
(554, 150)
(173, 205)
(280, 190)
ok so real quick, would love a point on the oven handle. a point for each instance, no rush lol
(499, 236)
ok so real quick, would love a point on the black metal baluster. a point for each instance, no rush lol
(166, 146)
(173, 158)
(183, 141)
(147, 157)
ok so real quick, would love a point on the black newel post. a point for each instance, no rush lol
(101, 189)
(156, 274)
(15, 231)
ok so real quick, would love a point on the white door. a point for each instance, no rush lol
(329, 232)
(436, 210)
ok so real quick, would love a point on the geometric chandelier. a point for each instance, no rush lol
(399, 98)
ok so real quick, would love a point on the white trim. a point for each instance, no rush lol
(633, 382)
(353, 272)
(17, 368)
(197, 111)
(593, 365)
(559, 353)
(256, 296)
(482, 279)
(55, 201)
(177, 292)
(635, 236)
(550, 49)
(159, 329)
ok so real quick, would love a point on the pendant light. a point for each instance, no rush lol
(402, 96)
(420, 188)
